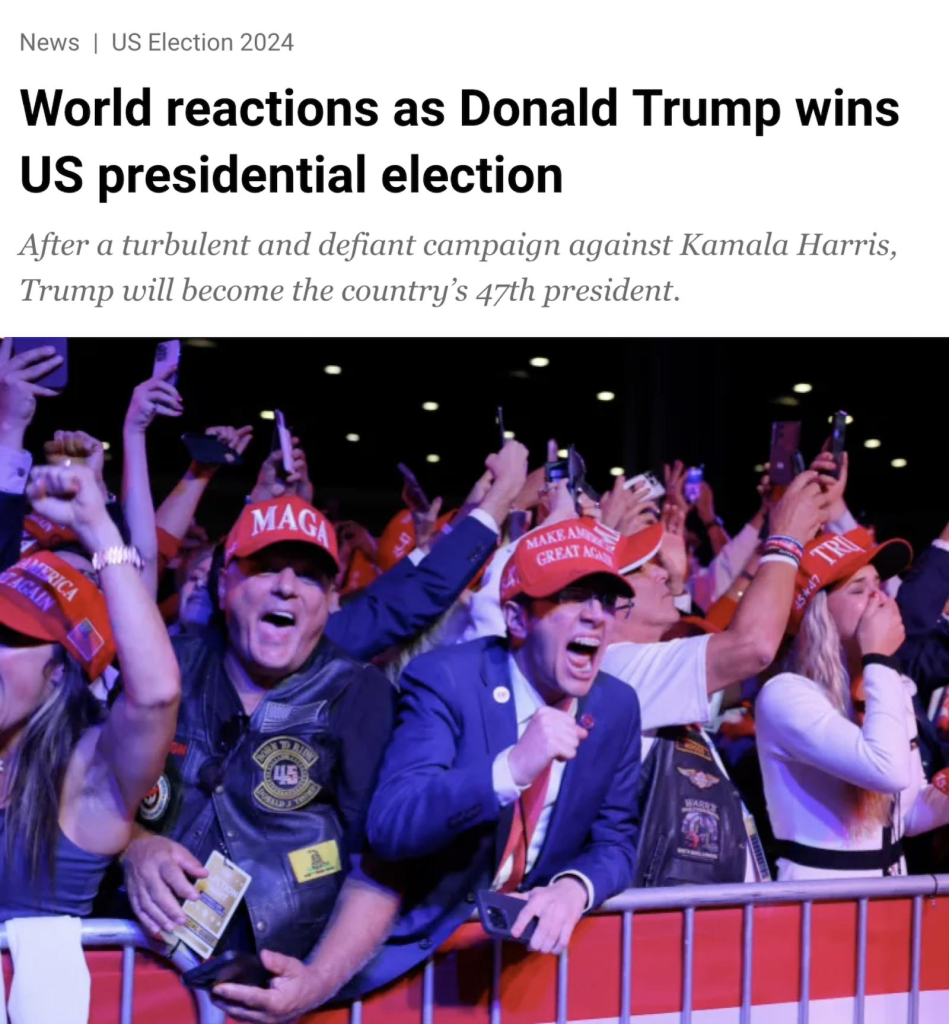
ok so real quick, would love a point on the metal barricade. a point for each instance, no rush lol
(747, 896)
(128, 937)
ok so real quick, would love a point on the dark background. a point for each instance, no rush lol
(708, 402)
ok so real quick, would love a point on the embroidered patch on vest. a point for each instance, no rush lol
(315, 861)
(278, 717)
(699, 831)
(286, 763)
(688, 746)
(156, 800)
(699, 779)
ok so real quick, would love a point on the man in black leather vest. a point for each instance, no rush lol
(276, 752)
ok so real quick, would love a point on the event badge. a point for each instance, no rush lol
(757, 848)
(218, 897)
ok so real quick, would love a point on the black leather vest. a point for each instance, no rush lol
(693, 831)
(262, 789)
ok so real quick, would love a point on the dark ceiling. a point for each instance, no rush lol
(708, 402)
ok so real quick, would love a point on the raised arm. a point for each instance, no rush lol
(154, 397)
(134, 740)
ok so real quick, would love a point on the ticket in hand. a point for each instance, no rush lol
(218, 897)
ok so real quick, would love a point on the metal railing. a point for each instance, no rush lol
(127, 936)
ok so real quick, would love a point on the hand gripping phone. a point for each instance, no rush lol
(499, 912)
(233, 967)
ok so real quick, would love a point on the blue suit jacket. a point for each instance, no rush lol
(435, 806)
(407, 599)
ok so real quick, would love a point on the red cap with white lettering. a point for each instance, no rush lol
(279, 521)
(832, 557)
(46, 598)
(551, 558)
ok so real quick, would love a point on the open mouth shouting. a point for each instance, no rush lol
(276, 625)
(582, 655)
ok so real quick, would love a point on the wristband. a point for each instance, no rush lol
(780, 556)
(785, 541)
(887, 660)
(117, 555)
(717, 521)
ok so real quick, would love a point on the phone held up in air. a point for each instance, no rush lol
(209, 451)
(56, 379)
(693, 483)
(838, 441)
(785, 441)
(498, 913)
(283, 441)
(167, 355)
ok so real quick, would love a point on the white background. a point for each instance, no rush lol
(845, 182)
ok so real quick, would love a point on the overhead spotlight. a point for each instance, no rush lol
(200, 343)
(617, 471)
(803, 389)
(509, 435)
(605, 396)
(786, 400)
(332, 370)
(433, 458)
(872, 442)
(266, 414)
(830, 419)
(106, 446)
(540, 361)
(562, 453)
(352, 437)
(430, 406)
(899, 463)
(759, 468)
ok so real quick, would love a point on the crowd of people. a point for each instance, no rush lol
(541, 693)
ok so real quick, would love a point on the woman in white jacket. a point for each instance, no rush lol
(837, 732)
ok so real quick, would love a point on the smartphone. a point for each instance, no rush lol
(210, 451)
(167, 355)
(284, 441)
(656, 490)
(501, 425)
(838, 441)
(498, 913)
(58, 378)
(556, 470)
(785, 441)
(412, 493)
(797, 461)
(234, 967)
(693, 483)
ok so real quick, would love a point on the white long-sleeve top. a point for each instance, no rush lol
(811, 754)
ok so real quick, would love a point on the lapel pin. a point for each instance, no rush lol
(587, 720)
(502, 694)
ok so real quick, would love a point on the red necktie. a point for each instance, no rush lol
(527, 813)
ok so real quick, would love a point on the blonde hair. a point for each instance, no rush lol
(817, 654)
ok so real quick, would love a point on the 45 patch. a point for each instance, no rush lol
(286, 785)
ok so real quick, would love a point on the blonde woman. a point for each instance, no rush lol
(837, 731)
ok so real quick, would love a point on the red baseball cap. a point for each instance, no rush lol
(46, 598)
(832, 557)
(278, 521)
(551, 558)
(42, 534)
(634, 552)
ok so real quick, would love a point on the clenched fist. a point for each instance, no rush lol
(551, 735)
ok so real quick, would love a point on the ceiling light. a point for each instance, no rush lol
(617, 471)
(352, 437)
(786, 400)
(605, 396)
(872, 442)
(509, 435)
(540, 361)
(266, 414)
(433, 458)
(898, 463)
(430, 406)
(332, 370)
(562, 453)
(803, 389)
(759, 468)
